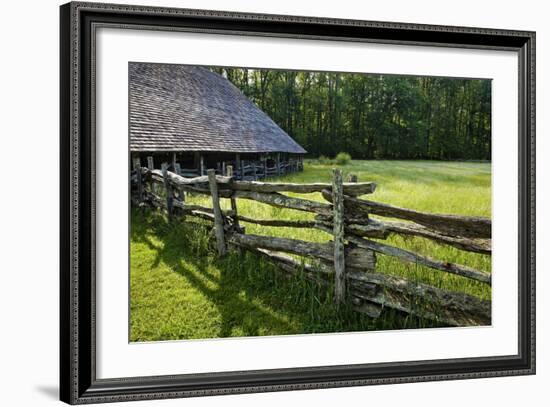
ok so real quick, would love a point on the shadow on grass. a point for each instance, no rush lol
(252, 298)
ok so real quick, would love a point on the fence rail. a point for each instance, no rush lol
(350, 258)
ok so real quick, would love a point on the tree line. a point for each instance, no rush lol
(374, 116)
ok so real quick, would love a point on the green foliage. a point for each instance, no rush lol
(374, 116)
(324, 160)
(180, 290)
(343, 159)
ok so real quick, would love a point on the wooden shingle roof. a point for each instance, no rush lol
(189, 108)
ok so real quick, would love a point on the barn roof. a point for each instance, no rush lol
(189, 108)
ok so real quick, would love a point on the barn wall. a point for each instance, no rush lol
(245, 165)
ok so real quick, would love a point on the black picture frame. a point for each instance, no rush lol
(78, 382)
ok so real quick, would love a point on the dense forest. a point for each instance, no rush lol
(374, 116)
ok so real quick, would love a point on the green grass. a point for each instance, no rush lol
(180, 290)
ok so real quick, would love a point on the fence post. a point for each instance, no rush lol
(169, 196)
(137, 167)
(181, 193)
(352, 178)
(151, 166)
(338, 231)
(218, 218)
(229, 169)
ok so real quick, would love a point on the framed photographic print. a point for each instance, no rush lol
(255, 203)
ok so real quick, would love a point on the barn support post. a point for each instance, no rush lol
(218, 217)
(238, 164)
(202, 164)
(264, 159)
(234, 203)
(137, 167)
(196, 160)
(169, 196)
(278, 163)
(223, 168)
(174, 161)
(338, 231)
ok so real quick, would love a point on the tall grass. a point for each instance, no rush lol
(180, 290)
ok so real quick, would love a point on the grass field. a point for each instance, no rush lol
(179, 290)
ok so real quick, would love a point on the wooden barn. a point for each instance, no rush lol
(194, 119)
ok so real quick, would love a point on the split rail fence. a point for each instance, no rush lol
(350, 258)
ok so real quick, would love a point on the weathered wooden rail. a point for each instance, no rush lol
(349, 259)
